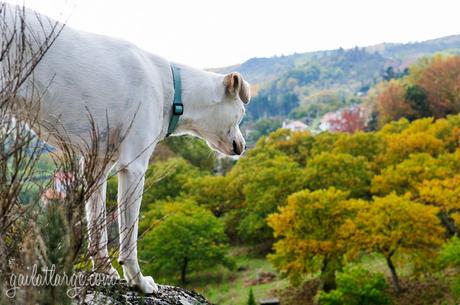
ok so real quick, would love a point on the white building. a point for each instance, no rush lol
(295, 126)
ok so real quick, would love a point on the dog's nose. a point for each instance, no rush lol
(236, 148)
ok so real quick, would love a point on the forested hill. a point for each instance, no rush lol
(306, 86)
(261, 70)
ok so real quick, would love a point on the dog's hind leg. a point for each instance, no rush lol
(130, 188)
(97, 230)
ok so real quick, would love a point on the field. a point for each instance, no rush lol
(226, 287)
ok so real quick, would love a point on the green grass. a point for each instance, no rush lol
(229, 287)
(376, 263)
(226, 287)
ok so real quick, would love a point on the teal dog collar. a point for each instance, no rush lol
(178, 107)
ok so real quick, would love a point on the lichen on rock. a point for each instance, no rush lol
(121, 293)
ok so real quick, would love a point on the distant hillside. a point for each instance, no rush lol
(305, 86)
(261, 70)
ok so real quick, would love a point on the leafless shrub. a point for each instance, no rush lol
(52, 234)
(31, 234)
(21, 49)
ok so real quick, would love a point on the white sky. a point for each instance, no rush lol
(213, 33)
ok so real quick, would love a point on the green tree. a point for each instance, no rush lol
(417, 99)
(266, 184)
(449, 256)
(168, 179)
(296, 145)
(357, 286)
(251, 299)
(325, 142)
(216, 193)
(263, 127)
(187, 238)
(341, 171)
(194, 150)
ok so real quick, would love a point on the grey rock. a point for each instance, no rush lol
(121, 293)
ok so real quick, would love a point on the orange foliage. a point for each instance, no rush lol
(441, 81)
(391, 103)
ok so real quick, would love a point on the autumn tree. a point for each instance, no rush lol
(441, 81)
(295, 144)
(445, 194)
(407, 175)
(431, 89)
(392, 104)
(349, 120)
(308, 233)
(360, 144)
(395, 225)
(413, 139)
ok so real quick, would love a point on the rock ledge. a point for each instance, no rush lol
(122, 294)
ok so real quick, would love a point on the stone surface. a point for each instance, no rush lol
(122, 294)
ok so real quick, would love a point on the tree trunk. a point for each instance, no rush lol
(327, 277)
(183, 274)
(449, 223)
(394, 275)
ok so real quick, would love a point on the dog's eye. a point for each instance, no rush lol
(228, 132)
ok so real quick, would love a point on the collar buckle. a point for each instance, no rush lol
(178, 109)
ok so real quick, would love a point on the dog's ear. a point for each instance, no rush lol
(245, 92)
(235, 84)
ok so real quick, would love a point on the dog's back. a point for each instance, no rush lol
(84, 74)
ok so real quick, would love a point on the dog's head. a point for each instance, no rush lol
(218, 121)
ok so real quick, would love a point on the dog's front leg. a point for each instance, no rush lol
(130, 188)
(97, 231)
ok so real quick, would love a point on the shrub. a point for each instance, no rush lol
(357, 286)
(251, 299)
(450, 257)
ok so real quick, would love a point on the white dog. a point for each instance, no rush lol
(116, 82)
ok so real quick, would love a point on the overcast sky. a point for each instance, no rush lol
(212, 33)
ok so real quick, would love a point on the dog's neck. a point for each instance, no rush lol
(200, 90)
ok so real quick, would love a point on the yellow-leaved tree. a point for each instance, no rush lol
(394, 225)
(308, 232)
(444, 194)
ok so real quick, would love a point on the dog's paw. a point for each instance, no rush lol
(145, 284)
(148, 285)
(134, 277)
